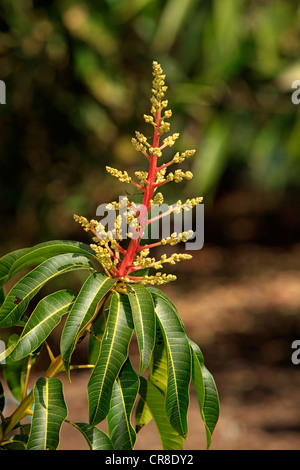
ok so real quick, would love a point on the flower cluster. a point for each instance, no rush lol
(121, 175)
(126, 263)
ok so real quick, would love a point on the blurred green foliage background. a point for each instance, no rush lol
(78, 81)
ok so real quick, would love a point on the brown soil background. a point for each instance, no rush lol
(241, 305)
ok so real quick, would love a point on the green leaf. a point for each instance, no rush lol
(20, 295)
(84, 309)
(96, 439)
(124, 394)
(143, 315)
(113, 354)
(179, 364)
(155, 402)
(50, 411)
(13, 262)
(207, 393)
(42, 321)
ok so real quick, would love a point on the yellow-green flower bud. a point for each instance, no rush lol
(155, 151)
(121, 175)
(158, 199)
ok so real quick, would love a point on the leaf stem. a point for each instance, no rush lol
(27, 376)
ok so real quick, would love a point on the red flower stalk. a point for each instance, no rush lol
(117, 261)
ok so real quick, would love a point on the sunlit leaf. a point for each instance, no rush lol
(143, 415)
(155, 402)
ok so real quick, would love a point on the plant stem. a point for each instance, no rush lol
(134, 245)
(27, 376)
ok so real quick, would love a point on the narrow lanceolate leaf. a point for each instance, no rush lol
(13, 262)
(207, 393)
(96, 439)
(85, 307)
(144, 320)
(179, 364)
(49, 413)
(124, 394)
(155, 402)
(42, 321)
(20, 295)
(113, 354)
